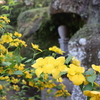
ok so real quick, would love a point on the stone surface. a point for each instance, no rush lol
(30, 20)
(85, 43)
(70, 6)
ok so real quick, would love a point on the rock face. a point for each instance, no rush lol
(84, 45)
(69, 6)
(29, 21)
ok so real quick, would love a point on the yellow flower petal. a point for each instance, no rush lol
(77, 79)
(39, 71)
(97, 68)
(55, 73)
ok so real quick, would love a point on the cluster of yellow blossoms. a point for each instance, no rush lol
(50, 65)
(12, 39)
(39, 75)
(3, 20)
(56, 50)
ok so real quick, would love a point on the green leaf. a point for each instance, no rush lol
(81, 86)
(91, 78)
(18, 59)
(88, 87)
(24, 87)
(27, 61)
(89, 72)
(5, 7)
(18, 72)
(37, 96)
(68, 59)
(23, 58)
(36, 79)
(88, 98)
(6, 63)
(59, 87)
(62, 73)
(51, 90)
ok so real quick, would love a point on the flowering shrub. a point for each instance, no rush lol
(43, 72)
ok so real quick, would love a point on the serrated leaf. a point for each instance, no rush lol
(18, 72)
(91, 78)
(68, 59)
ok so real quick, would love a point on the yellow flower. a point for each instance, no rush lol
(10, 71)
(50, 65)
(1, 87)
(59, 67)
(23, 81)
(95, 95)
(59, 79)
(97, 84)
(36, 47)
(49, 85)
(14, 80)
(62, 93)
(2, 59)
(39, 66)
(75, 61)
(28, 75)
(23, 43)
(49, 90)
(31, 83)
(1, 69)
(16, 87)
(3, 98)
(56, 49)
(21, 67)
(96, 68)
(75, 74)
(17, 34)
(0, 26)
(16, 43)
(5, 18)
(3, 49)
(7, 38)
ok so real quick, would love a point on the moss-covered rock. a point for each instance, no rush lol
(30, 20)
(85, 45)
(36, 27)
